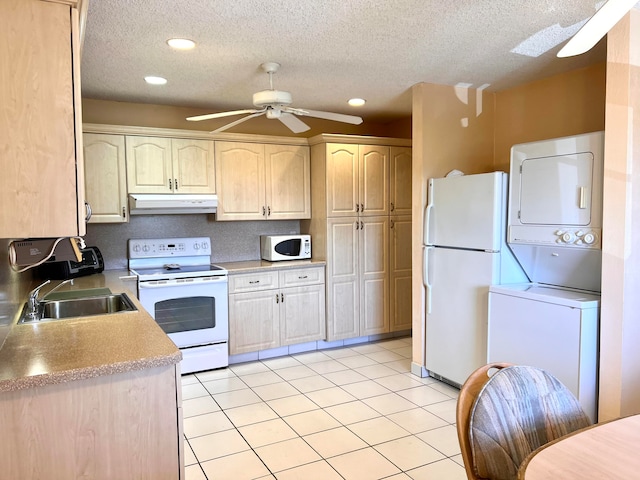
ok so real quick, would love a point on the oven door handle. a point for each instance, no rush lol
(173, 283)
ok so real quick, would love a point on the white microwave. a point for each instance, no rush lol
(275, 248)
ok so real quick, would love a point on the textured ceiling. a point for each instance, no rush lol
(330, 50)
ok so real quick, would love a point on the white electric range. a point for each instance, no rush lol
(186, 295)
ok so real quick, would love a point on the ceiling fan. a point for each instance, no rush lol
(275, 104)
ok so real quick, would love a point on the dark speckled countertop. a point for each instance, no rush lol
(65, 350)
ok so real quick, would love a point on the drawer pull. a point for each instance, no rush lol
(302, 278)
(254, 281)
(282, 297)
(277, 298)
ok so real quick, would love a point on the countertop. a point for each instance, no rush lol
(257, 265)
(59, 351)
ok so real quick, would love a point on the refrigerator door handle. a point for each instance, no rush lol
(427, 214)
(425, 276)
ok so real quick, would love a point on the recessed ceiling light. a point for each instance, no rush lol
(181, 43)
(155, 80)
(357, 102)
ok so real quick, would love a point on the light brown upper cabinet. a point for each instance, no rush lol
(170, 165)
(400, 181)
(262, 181)
(105, 177)
(357, 180)
(42, 181)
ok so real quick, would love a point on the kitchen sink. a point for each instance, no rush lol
(80, 307)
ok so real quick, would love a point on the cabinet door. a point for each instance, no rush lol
(374, 180)
(288, 182)
(240, 181)
(149, 165)
(39, 186)
(302, 314)
(342, 180)
(105, 177)
(193, 166)
(400, 273)
(254, 321)
(374, 275)
(400, 181)
(343, 294)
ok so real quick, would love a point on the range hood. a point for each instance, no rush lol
(154, 204)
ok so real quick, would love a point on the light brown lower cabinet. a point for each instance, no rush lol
(273, 308)
(121, 426)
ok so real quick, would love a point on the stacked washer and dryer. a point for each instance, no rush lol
(555, 232)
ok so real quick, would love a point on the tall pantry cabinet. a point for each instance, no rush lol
(358, 192)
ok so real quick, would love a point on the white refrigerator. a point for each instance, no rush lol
(465, 252)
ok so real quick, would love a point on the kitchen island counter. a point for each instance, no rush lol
(60, 351)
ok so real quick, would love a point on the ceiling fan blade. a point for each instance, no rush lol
(596, 27)
(208, 116)
(338, 117)
(237, 122)
(294, 123)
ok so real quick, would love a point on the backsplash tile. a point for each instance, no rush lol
(230, 241)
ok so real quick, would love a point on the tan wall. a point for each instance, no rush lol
(620, 311)
(565, 104)
(167, 116)
(452, 128)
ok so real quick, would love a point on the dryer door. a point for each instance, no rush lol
(557, 190)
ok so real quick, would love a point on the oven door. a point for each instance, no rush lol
(192, 311)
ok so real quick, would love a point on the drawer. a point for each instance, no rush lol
(301, 276)
(253, 282)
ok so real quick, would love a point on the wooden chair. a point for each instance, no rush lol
(502, 417)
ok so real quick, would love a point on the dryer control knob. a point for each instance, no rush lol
(136, 248)
(196, 246)
(589, 239)
(559, 232)
(568, 237)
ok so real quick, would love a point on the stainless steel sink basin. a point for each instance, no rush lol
(81, 307)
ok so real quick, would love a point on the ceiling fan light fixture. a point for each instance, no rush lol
(596, 27)
(181, 43)
(357, 102)
(151, 80)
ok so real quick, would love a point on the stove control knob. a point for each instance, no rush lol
(136, 248)
(559, 232)
(568, 237)
(196, 246)
(145, 248)
(589, 239)
(205, 245)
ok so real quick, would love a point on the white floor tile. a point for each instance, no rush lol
(417, 420)
(444, 439)
(224, 385)
(292, 405)
(409, 452)
(265, 433)
(262, 378)
(378, 430)
(218, 445)
(236, 398)
(335, 442)
(275, 390)
(193, 390)
(442, 470)
(310, 384)
(330, 396)
(189, 457)
(340, 352)
(311, 471)
(345, 376)
(357, 361)
(365, 389)
(311, 422)
(384, 356)
(248, 414)
(423, 395)
(281, 362)
(327, 366)
(352, 412)
(311, 357)
(194, 472)
(205, 424)
(398, 382)
(249, 368)
(365, 464)
(389, 403)
(375, 371)
(198, 406)
(288, 454)
(291, 373)
(445, 410)
(239, 466)
(214, 374)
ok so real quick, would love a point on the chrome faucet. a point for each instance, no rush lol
(33, 303)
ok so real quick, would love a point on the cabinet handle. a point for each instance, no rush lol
(124, 213)
(277, 298)
(357, 207)
(170, 185)
(392, 207)
(175, 182)
(268, 211)
(361, 225)
(282, 298)
(357, 225)
(302, 278)
(264, 211)
(362, 207)
(88, 209)
(254, 281)
(391, 223)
